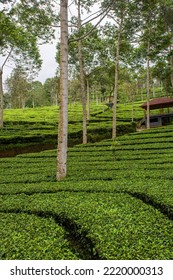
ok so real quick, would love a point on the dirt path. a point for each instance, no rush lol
(23, 150)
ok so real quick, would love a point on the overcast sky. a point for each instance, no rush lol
(49, 66)
(48, 52)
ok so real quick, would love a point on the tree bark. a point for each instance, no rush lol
(114, 121)
(88, 100)
(148, 86)
(132, 108)
(1, 100)
(83, 91)
(82, 78)
(171, 65)
(63, 95)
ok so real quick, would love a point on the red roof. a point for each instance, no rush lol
(157, 103)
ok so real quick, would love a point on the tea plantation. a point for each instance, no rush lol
(115, 203)
(32, 127)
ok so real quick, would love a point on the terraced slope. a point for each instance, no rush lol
(38, 127)
(116, 202)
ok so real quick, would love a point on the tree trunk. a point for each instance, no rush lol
(154, 93)
(82, 79)
(171, 64)
(1, 91)
(63, 95)
(114, 122)
(33, 103)
(83, 92)
(23, 102)
(132, 108)
(88, 100)
(97, 97)
(148, 86)
(1, 100)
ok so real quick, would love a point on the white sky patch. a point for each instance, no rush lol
(47, 52)
(49, 65)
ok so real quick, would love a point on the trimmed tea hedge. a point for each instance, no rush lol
(115, 203)
(28, 236)
(27, 127)
(119, 226)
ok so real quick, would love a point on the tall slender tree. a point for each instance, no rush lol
(63, 96)
(82, 75)
(82, 34)
(120, 25)
(123, 14)
(18, 87)
(167, 14)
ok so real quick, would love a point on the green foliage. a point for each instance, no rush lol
(91, 47)
(32, 237)
(118, 209)
(22, 24)
(24, 127)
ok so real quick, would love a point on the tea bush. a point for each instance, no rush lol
(115, 203)
(120, 227)
(26, 236)
(28, 127)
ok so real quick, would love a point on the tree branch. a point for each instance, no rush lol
(93, 17)
(7, 58)
(91, 30)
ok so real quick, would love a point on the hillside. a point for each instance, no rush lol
(115, 203)
(37, 128)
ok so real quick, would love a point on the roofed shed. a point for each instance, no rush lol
(158, 103)
(159, 119)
